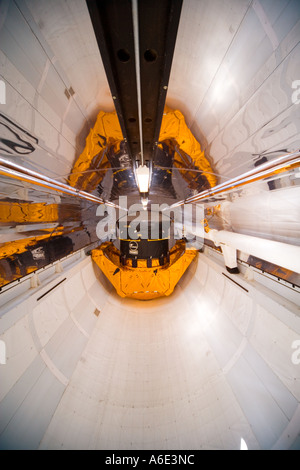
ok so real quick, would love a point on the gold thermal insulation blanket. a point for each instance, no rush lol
(141, 282)
(107, 132)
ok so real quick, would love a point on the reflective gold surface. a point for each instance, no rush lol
(141, 282)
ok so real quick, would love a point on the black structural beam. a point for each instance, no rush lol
(113, 26)
(157, 25)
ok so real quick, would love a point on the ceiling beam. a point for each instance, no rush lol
(136, 40)
(158, 25)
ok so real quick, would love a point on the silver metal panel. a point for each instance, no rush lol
(283, 397)
(206, 31)
(21, 46)
(262, 411)
(12, 401)
(238, 97)
(30, 422)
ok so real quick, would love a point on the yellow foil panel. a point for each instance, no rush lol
(20, 246)
(173, 126)
(143, 283)
(107, 132)
(28, 212)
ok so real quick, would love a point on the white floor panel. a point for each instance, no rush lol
(192, 371)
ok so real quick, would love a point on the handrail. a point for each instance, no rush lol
(278, 165)
(13, 170)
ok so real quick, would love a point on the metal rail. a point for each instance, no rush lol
(271, 168)
(136, 40)
(21, 173)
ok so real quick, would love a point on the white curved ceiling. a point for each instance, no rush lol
(232, 75)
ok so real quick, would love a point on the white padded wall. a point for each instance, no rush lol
(232, 76)
(44, 342)
(203, 368)
(55, 80)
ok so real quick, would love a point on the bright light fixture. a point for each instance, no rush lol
(144, 203)
(143, 178)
